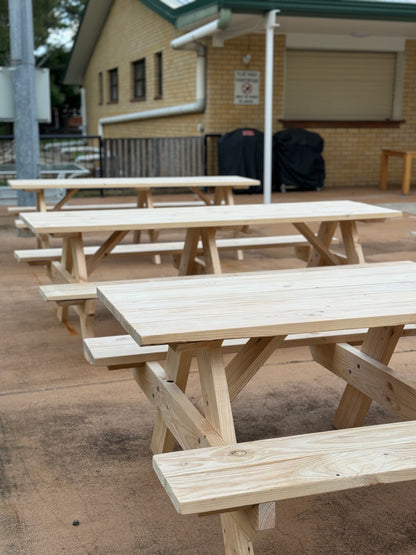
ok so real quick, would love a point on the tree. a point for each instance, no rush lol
(50, 18)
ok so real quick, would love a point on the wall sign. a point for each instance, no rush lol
(246, 87)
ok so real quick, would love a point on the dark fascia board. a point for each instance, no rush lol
(344, 9)
(92, 22)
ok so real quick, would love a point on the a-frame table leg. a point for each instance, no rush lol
(379, 343)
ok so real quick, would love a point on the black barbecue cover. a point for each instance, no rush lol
(240, 152)
(297, 159)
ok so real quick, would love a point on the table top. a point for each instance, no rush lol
(134, 182)
(204, 216)
(263, 304)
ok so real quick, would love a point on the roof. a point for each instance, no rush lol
(191, 13)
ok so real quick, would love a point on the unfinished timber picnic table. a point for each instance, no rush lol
(222, 184)
(242, 481)
(201, 224)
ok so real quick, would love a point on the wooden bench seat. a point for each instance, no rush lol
(45, 256)
(105, 206)
(121, 351)
(231, 477)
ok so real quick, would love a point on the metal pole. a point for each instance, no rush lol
(26, 128)
(268, 107)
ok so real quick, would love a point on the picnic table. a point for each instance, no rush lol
(222, 185)
(195, 316)
(201, 224)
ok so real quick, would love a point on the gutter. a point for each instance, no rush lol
(185, 42)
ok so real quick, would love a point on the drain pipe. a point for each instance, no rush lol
(185, 42)
(268, 106)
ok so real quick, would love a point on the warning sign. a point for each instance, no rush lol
(246, 87)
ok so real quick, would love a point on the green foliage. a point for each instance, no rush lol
(49, 16)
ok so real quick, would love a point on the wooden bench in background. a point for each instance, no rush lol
(105, 206)
(233, 477)
(47, 255)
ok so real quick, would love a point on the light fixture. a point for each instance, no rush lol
(247, 59)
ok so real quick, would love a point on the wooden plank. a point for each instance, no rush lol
(354, 405)
(375, 380)
(222, 478)
(204, 216)
(215, 394)
(134, 182)
(121, 351)
(250, 358)
(177, 369)
(190, 428)
(271, 304)
(172, 247)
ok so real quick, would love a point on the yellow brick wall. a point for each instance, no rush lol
(132, 31)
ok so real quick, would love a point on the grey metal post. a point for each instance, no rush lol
(26, 127)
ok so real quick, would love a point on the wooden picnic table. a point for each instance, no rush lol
(201, 224)
(194, 316)
(222, 185)
(407, 155)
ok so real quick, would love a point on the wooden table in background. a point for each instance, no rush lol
(201, 224)
(407, 156)
(222, 185)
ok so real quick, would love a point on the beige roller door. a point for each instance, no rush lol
(339, 85)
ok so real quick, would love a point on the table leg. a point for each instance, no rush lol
(407, 170)
(378, 344)
(187, 262)
(145, 200)
(320, 243)
(177, 368)
(238, 527)
(210, 251)
(95, 260)
(383, 171)
(351, 240)
(42, 241)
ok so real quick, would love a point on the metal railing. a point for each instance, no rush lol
(124, 157)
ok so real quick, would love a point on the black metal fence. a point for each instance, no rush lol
(123, 157)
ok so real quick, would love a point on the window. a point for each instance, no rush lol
(139, 79)
(113, 82)
(100, 88)
(158, 75)
(328, 85)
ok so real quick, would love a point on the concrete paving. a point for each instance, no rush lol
(74, 439)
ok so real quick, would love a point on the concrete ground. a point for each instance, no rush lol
(74, 439)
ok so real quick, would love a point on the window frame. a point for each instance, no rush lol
(138, 80)
(158, 75)
(113, 86)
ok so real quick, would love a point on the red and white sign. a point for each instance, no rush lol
(247, 87)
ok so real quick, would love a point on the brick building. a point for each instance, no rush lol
(345, 69)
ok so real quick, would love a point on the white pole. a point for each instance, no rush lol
(268, 106)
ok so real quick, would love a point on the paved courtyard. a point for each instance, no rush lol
(74, 439)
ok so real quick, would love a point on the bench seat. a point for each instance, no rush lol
(106, 206)
(231, 477)
(45, 256)
(122, 351)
